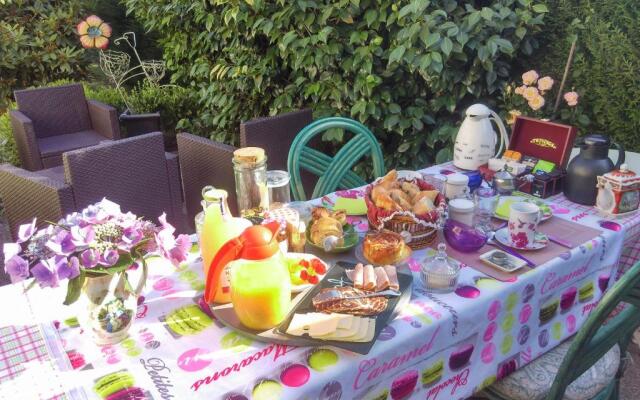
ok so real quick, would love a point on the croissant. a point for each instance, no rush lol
(390, 180)
(411, 189)
(385, 202)
(401, 198)
(325, 227)
(429, 194)
(423, 206)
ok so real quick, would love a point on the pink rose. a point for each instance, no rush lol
(571, 98)
(545, 83)
(530, 77)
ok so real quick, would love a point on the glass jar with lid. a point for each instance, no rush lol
(250, 171)
(438, 273)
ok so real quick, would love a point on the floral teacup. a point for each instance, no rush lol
(523, 222)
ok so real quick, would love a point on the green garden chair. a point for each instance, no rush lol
(333, 172)
(589, 365)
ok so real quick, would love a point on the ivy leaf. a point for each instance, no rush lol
(397, 54)
(444, 155)
(74, 288)
(394, 108)
(370, 16)
(446, 46)
(540, 8)
(487, 13)
(403, 147)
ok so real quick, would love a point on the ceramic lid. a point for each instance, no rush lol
(461, 205)
(478, 110)
(623, 175)
(458, 179)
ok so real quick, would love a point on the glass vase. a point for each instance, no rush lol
(107, 308)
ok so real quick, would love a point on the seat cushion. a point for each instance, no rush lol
(534, 381)
(56, 145)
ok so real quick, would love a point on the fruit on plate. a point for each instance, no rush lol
(303, 271)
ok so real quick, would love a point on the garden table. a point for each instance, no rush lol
(440, 347)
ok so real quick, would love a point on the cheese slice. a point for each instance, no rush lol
(356, 322)
(365, 333)
(315, 324)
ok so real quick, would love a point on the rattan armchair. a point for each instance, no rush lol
(275, 135)
(204, 162)
(50, 121)
(135, 173)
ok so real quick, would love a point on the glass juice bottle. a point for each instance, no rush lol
(218, 227)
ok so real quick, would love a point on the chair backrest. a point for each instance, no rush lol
(205, 162)
(131, 172)
(333, 172)
(599, 333)
(275, 135)
(55, 110)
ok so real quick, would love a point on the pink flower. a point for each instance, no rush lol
(545, 83)
(536, 103)
(530, 93)
(571, 98)
(520, 239)
(530, 77)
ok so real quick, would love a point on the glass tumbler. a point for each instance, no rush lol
(278, 185)
(486, 200)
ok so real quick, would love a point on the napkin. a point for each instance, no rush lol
(504, 208)
(352, 206)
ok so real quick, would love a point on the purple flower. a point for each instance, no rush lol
(62, 243)
(26, 231)
(17, 268)
(82, 236)
(89, 258)
(45, 276)
(174, 250)
(66, 268)
(109, 258)
(10, 250)
(132, 235)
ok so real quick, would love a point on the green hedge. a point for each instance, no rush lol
(607, 62)
(38, 44)
(407, 69)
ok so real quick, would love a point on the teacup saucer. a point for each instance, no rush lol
(540, 242)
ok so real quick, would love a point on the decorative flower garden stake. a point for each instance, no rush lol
(94, 33)
(95, 250)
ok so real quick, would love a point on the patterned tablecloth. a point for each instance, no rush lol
(440, 347)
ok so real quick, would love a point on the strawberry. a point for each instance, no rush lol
(304, 263)
(314, 279)
(303, 275)
(318, 266)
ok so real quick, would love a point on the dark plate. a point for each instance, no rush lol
(336, 276)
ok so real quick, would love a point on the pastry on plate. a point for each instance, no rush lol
(384, 247)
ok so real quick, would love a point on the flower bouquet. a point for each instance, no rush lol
(94, 250)
(534, 98)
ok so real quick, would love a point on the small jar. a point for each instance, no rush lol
(438, 273)
(278, 185)
(456, 186)
(250, 171)
(462, 210)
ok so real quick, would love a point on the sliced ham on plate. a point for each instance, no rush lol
(369, 277)
(393, 277)
(382, 280)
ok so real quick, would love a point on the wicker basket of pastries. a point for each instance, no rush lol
(410, 207)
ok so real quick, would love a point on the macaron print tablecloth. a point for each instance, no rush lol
(440, 347)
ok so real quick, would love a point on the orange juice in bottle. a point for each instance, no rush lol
(218, 226)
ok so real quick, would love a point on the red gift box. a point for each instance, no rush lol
(543, 140)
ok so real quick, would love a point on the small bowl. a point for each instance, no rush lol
(462, 237)
(350, 236)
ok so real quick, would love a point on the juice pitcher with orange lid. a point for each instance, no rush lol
(218, 226)
(258, 275)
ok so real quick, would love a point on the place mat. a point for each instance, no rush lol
(570, 231)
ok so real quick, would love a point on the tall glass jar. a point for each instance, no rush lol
(250, 171)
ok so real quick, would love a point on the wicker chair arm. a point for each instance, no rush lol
(104, 119)
(25, 136)
(26, 194)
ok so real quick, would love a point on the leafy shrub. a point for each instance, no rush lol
(607, 61)
(406, 69)
(38, 44)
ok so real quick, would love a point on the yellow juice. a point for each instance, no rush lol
(260, 291)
